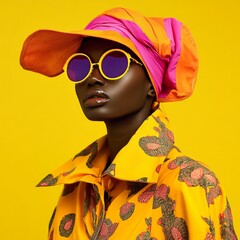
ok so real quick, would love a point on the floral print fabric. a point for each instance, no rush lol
(151, 191)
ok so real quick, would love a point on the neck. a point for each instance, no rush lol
(120, 131)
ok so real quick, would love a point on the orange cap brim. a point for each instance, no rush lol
(46, 51)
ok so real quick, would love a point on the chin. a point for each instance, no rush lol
(96, 114)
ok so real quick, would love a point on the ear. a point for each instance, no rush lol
(151, 92)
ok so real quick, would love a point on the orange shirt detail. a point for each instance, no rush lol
(150, 191)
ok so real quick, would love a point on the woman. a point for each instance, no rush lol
(133, 183)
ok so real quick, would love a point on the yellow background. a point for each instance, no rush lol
(42, 125)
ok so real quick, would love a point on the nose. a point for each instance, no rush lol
(95, 78)
(94, 81)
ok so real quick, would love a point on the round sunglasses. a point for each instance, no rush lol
(113, 65)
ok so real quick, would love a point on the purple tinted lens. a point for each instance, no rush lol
(78, 68)
(114, 64)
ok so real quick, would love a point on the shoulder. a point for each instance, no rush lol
(192, 172)
(184, 174)
(189, 191)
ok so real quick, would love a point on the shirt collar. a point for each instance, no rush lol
(138, 161)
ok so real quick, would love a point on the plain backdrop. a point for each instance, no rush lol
(42, 125)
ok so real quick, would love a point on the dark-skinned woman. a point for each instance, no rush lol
(133, 183)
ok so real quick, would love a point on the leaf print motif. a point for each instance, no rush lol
(158, 145)
(176, 234)
(211, 178)
(213, 193)
(68, 172)
(107, 229)
(91, 200)
(135, 187)
(162, 200)
(145, 196)
(144, 236)
(148, 222)
(162, 192)
(69, 188)
(211, 234)
(173, 227)
(152, 146)
(91, 150)
(160, 197)
(66, 225)
(49, 180)
(126, 210)
(147, 234)
(195, 174)
(227, 229)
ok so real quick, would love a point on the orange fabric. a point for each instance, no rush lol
(150, 191)
(46, 51)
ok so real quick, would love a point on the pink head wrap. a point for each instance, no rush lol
(164, 45)
(162, 70)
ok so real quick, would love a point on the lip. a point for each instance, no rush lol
(95, 98)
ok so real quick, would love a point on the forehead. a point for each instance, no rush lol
(95, 46)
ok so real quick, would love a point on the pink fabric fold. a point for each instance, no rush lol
(152, 60)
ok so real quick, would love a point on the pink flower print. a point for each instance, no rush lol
(49, 180)
(197, 173)
(66, 225)
(170, 135)
(209, 236)
(162, 191)
(213, 193)
(147, 234)
(185, 165)
(227, 229)
(159, 221)
(172, 165)
(107, 229)
(211, 178)
(127, 210)
(104, 230)
(145, 196)
(176, 234)
(157, 145)
(152, 145)
(68, 172)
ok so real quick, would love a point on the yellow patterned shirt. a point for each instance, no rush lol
(150, 191)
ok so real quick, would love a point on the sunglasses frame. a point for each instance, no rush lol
(128, 56)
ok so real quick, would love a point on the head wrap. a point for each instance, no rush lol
(164, 45)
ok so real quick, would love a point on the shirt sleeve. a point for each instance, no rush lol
(193, 203)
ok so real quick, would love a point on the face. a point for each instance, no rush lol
(104, 100)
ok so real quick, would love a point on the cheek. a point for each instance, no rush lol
(79, 93)
(132, 89)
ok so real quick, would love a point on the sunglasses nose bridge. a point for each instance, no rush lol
(95, 77)
(93, 66)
